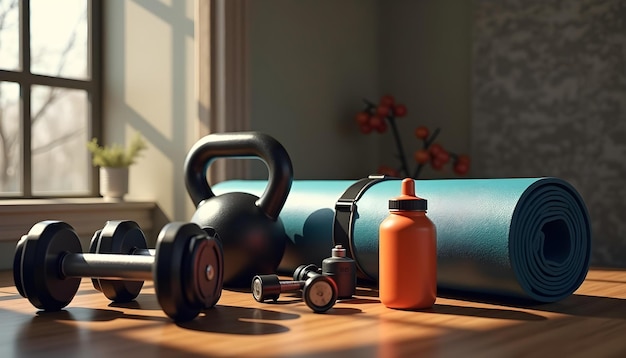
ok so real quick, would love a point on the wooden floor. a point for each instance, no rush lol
(590, 323)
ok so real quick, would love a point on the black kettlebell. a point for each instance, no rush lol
(253, 238)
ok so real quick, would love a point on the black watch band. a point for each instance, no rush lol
(345, 211)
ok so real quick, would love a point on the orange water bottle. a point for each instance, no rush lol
(407, 273)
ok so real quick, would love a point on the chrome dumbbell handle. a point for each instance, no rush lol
(112, 266)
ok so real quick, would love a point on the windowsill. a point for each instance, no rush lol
(86, 215)
(25, 203)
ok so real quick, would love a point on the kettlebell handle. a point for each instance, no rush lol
(240, 145)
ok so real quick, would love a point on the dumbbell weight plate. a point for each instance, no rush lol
(300, 273)
(204, 267)
(183, 283)
(93, 247)
(119, 237)
(39, 269)
(320, 293)
(17, 265)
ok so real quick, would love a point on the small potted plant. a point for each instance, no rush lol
(114, 161)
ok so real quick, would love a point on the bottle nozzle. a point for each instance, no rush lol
(408, 187)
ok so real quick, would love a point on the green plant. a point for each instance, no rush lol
(115, 155)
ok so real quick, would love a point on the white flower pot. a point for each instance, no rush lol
(113, 183)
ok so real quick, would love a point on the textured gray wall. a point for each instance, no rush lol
(549, 99)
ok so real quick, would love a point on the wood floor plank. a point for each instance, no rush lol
(590, 323)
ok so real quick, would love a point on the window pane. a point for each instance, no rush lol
(10, 139)
(59, 41)
(9, 35)
(59, 137)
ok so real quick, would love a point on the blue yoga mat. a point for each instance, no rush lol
(526, 238)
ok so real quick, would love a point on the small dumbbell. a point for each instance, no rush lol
(187, 267)
(269, 287)
(319, 292)
(321, 297)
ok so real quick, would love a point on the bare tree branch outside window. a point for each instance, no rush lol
(59, 115)
(8, 139)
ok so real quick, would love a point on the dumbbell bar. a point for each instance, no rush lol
(48, 267)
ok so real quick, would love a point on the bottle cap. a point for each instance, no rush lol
(407, 201)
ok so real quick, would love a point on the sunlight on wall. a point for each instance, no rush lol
(190, 101)
(150, 175)
(148, 37)
(149, 85)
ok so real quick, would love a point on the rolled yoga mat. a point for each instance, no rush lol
(527, 238)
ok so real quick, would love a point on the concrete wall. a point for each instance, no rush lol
(549, 99)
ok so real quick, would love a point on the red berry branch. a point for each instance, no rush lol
(379, 117)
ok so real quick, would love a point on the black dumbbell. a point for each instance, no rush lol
(319, 292)
(187, 267)
(126, 237)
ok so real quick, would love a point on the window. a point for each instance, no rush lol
(50, 97)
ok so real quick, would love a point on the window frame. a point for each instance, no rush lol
(222, 76)
(26, 79)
